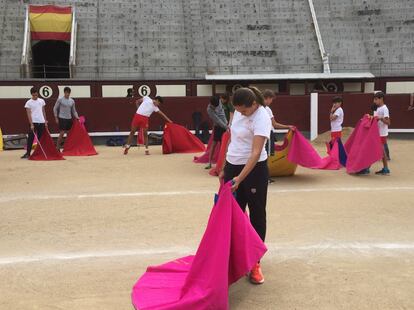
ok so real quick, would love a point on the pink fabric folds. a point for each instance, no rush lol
(228, 250)
(364, 146)
(203, 159)
(302, 153)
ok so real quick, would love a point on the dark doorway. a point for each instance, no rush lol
(51, 59)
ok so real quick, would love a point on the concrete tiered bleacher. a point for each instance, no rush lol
(187, 39)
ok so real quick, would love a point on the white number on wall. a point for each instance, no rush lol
(45, 91)
(144, 90)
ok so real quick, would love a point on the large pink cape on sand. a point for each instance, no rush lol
(301, 152)
(229, 249)
(364, 146)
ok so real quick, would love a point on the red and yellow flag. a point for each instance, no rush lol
(49, 22)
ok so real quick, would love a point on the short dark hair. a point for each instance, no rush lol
(337, 99)
(379, 95)
(215, 101)
(268, 93)
(159, 99)
(225, 96)
(129, 92)
(67, 89)
(34, 90)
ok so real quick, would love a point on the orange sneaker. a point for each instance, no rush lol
(256, 275)
(147, 152)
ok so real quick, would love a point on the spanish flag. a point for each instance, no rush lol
(49, 22)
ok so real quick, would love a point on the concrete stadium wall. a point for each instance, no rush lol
(150, 39)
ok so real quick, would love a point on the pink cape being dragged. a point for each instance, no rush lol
(364, 146)
(301, 152)
(215, 171)
(78, 142)
(177, 139)
(203, 159)
(229, 249)
(46, 149)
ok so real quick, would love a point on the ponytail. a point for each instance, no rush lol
(245, 96)
(258, 94)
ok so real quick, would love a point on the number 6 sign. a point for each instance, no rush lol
(144, 90)
(45, 91)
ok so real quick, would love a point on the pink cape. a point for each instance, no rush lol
(46, 147)
(364, 146)
(215, 171)
(302, 153)
(229, 249)
(177, 139)
(82, 121)
(78, 142)
(203, 159)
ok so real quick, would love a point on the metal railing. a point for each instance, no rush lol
(12, 72)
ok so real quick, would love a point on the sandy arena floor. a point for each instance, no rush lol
(77, 234)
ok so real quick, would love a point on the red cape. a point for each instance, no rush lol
(46, 149)
(215, 171)
(177, 139)
(78, 142)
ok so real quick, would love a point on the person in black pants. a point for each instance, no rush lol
(35, 109)
(217, 114)
(246, 160)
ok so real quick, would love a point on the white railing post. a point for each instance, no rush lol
(24, 63)
(73, 37)
(324, 54)
(314, 116)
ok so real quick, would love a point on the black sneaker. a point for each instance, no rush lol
(363, 172)
(383, 171)
(25, 156)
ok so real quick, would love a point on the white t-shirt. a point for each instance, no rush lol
(336, 124)
(36, 108)
(147, 107)
(270, 112)
(243, 129)
(382, 112)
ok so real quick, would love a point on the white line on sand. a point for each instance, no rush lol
(275, 250)
(10, 198)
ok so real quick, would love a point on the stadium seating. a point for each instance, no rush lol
(187, 39)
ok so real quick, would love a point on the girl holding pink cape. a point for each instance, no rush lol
(246, 160)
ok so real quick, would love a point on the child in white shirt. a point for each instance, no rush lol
(383, 116)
